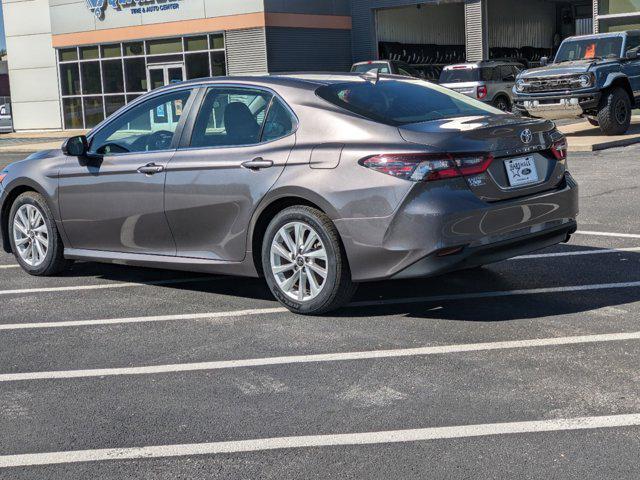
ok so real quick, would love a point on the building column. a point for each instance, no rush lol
(476, 22)
(596, 25)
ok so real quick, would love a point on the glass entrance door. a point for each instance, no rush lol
(161, 75)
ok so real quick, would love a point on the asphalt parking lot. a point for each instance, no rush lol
(524, 369)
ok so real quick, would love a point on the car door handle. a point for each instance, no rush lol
(257, 164)
(150, 169)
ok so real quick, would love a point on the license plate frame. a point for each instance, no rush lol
(521, 171)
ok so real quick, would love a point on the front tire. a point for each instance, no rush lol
(304, 263)
(34, 237)
(502, 103)
(614, 115)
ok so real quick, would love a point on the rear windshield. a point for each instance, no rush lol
(401, 102)
(589, 48)
(365, 67)
(460, 75)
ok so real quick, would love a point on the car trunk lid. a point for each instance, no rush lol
(522, 149)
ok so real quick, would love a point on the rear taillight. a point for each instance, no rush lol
(559, 149)
(482, 92)
(428, 167)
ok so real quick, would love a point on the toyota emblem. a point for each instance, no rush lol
(526, 136)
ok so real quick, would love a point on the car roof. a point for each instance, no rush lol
(483, 63)
(603, 35)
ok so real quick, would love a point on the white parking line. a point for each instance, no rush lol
(320, 358)
(315, 441)
(3, 267)
(608, 234)
(102, 286)
(577, 253)
(157, 318)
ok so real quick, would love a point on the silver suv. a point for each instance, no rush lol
(489, 81)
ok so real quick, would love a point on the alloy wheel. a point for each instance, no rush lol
(621, 112)
(299, 261)
(31, 235)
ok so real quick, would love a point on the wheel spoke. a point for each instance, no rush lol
(283, 268)
(23, 219)
(301, 285)
(42, 241)
(41, 229)
(19, 226)
(41, 252)
(319, 254)
(298, 231)
(287, 285)
(313, 284)
(287, 240)
(21, 241)
(319, 270)
(277, 249)
(309, 242)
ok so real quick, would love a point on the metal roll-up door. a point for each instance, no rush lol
(246, 51)
(475, 17)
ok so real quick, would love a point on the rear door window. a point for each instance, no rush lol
(367, 67)
(459, 75)
(401, 102)
(230, 117)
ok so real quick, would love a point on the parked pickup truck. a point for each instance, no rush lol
(596, 77)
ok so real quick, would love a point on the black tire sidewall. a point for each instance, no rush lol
(334, 258)
(607, 116)
(507, 104)
(37, 201)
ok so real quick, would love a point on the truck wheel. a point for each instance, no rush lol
(614, 115)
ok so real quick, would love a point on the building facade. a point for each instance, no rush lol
(73, 62)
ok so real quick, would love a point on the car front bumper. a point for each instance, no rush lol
(443, 228)
(556, 107)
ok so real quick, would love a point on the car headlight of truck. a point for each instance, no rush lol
(585, 80)
(520, 84)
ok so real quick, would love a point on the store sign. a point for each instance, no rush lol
(135, 7)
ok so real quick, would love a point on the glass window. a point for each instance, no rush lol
(197, 65)
(93, 113)
(112, 103)
(193, 44)
(133, 48)
(72, 110)
(218, 64)
(111, 51)
(402, 102)
(67, 54)
(618, 25)
(169, 45)
(149, 126)
(156, 78)
(633, 44)
(606, 7)
(383, 67)
(216, 41)
(230, 117)
(88, 53)
(459, 75)
(90, 77)
(70, 79)
(279, 122)
(131, 98)
(112, 76)
(507, 73)
(589, 48)
(135, 72)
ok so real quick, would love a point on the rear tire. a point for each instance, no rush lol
(320, 266)
(34, 237)
(502, 103)
(614, 115)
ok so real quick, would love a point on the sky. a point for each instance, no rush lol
(2, 41)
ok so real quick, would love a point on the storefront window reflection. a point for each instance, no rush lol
(612, 7)
(97, 80)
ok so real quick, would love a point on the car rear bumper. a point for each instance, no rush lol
(440, 229)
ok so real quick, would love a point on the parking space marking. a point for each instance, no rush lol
(315, 441)
(577, 252)
(496, 294)
(320, 358)
(608, 234)
(3, 267)
(157, 318)
(102, 286)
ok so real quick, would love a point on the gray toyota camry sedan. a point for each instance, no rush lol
(316, 182)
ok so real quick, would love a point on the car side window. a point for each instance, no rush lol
(230, 117)
(633, 44)
(147, 127)
(280, 122)
(507, 73)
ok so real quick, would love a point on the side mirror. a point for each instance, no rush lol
(76, 146)
(631, 54)
(544, 61)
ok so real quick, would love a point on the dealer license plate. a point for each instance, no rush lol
(521, 171)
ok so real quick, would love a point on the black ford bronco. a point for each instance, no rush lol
(596, 77)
